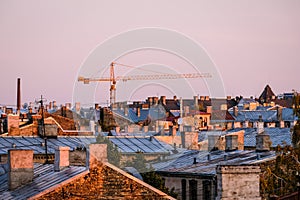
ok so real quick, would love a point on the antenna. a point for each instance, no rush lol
(43, 125)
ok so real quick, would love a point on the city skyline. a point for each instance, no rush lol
(251, 43)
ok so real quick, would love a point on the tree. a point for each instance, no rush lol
(149, 175)
(113, 154)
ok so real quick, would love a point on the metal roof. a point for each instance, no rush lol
(184, 164)
(128, 144)
(37, 144)
(278, 136)
(44, 178)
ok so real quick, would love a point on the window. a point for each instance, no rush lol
(206, 190)
(183, 189)
(193, 189)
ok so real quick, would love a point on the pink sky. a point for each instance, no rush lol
(253, 43)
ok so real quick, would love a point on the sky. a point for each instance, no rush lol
(45, 43)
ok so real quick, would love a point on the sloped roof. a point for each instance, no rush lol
(252, 116)
(267, 94)
(221, 116)
(183, 164)
(278, 136)
(127, 144)
(44, 178)
(37, 144)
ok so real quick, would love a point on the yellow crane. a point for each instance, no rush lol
(113, 80)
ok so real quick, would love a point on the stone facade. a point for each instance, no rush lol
(238, 182)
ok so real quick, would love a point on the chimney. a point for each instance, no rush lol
(61, 158)
(126, 111)
(69, 105)
(189, 140)
(209, 109)
(252, 106)
(138, 111)
(213, 142)
(235, 111)
(196, 102)
(231, 142)
(229, 175)
(13, 125)
(18, 96)
(163, 100)
(186, 110)
(279, 113)
(263, 142)
(260, 125)
(96, 153)
(223, 107)
(246, 123)
(281, 124)
(150, 101)
(145, 129)
(172, 131)
(50, 105)
(20, 167)
(54, 105)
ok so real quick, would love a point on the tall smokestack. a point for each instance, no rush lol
(18, 95)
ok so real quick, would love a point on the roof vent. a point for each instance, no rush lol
(195, 161)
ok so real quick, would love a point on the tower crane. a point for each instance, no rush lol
(113, 80)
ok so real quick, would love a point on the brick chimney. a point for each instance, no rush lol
(20, 166)
(61, 158)
(235, 175)
(13, 125)
(96, 153)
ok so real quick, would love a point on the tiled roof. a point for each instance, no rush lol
(44, 178)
